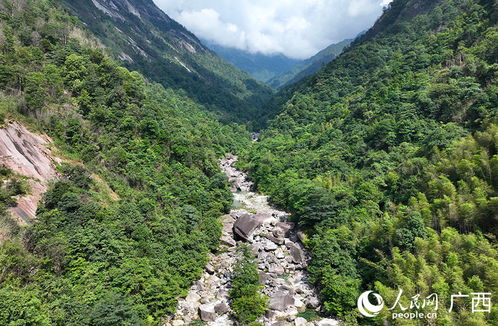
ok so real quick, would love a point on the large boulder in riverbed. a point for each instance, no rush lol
(221, 308)
(296, 253)
(275, 239)
(281, 300)
(286, 226)
(207, 312)
(245, 225)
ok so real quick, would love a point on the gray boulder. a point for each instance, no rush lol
(270, 246)
(263, 218)
(263, 277)
(281, 300)
(221, 308)
(207, 313)
(274, 239)
(297, 254)
(276, 269)
(313, 302)
(210, 269)
(245, 225)
(286, 227)
(279, 233)
(228, 241)
(301, 236)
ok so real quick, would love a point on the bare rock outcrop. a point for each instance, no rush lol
(27, 154)
(245, 225)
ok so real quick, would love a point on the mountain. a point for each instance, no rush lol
(387, 159)
(145, 39)
(309, 66)
(110, 192)
(278, 71)
(260, 66)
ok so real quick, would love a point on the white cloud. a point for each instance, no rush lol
(296, 28)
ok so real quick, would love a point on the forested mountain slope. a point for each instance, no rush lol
(262, 67)
(145, 39)
(91, 258)
(388, 159)
(310, 66)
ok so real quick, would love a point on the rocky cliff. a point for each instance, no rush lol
(27, 154)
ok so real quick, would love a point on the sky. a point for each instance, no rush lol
(296, 28)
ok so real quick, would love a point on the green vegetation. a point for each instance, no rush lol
(310, 315)
(12, 186)
(247, 302)
(387, 158)
(167, 53)
(310, 66)
(90, 259)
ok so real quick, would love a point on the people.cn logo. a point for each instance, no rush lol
(368, 309)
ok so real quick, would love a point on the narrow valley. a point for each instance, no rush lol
(280, 256)
(367, 196)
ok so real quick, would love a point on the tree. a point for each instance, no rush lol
(247, 302)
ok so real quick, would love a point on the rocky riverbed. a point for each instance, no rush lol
(280, 256)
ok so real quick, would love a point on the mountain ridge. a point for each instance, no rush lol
(387, 159)
(309, 66)
(261, 66)
(146, 39)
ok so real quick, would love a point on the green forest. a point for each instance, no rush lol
(90, 259)
(163, 54)
(387, 159)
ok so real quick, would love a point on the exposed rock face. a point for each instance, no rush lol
(207, 312)
(245, 225)
(281, 300)
(280, 256)
(27, 154)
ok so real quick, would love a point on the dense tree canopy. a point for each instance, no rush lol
(128, 225)
(387, 158)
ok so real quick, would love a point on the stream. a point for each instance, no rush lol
(280, 256)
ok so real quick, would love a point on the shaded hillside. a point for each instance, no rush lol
(309, 66)
(387, 158)
(262, 67)
(145, 39)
